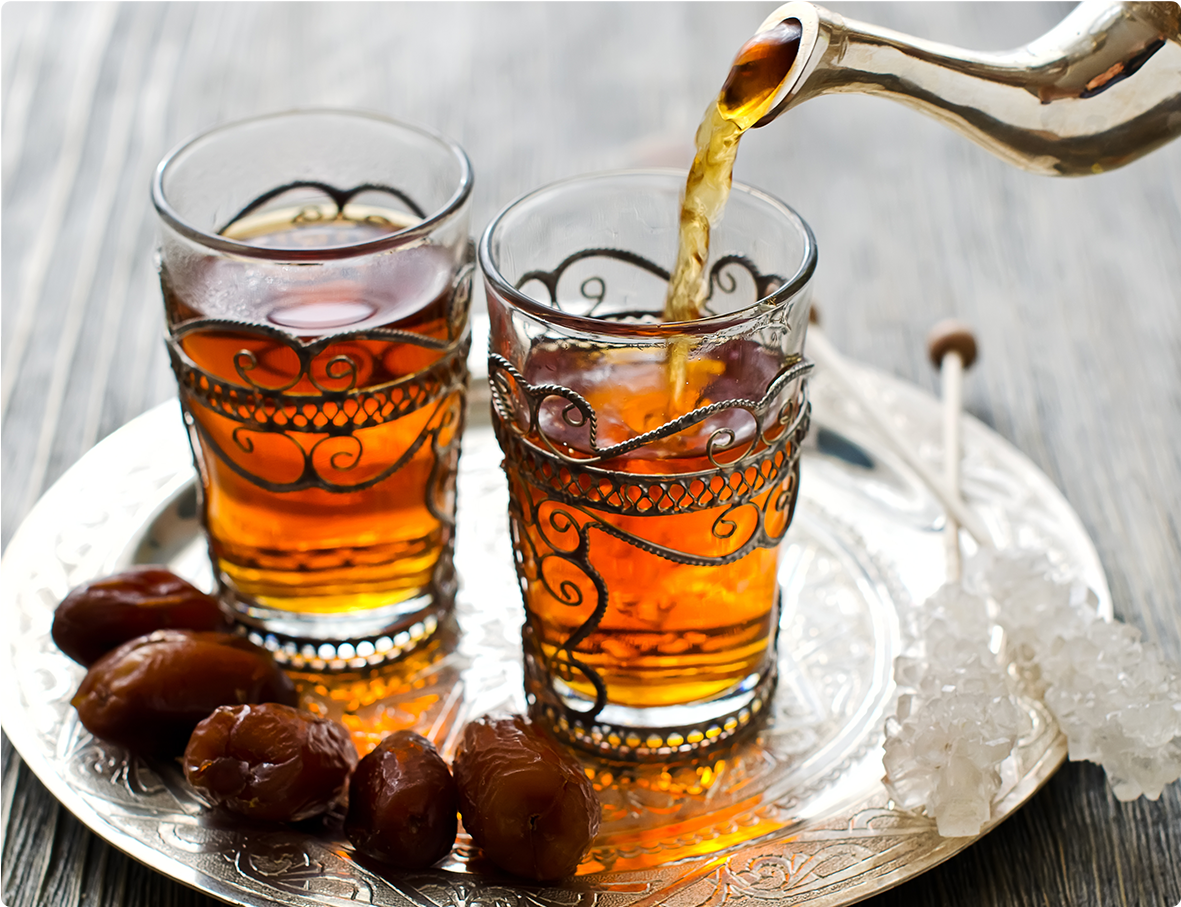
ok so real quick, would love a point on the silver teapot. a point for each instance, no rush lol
(1099, 90)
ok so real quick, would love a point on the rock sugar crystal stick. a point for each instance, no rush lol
(956, 720)
(1116, 696)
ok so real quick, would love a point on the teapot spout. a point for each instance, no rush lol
(1099, 90)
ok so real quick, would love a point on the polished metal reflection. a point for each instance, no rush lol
(1099, 90)
(801, 797)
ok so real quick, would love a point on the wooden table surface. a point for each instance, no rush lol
(1073, 286)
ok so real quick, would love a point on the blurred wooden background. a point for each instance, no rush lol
(1074, 288)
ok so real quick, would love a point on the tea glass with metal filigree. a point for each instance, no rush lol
(316, 270)
(653, 467)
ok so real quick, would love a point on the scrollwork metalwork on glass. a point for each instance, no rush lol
(560, 498)
(329, 412)
(319, 339)
(339, 197)
(517, 405)
(594, 289)
(587, 730)
(588, 492)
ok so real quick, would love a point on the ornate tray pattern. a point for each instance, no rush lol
(796, 815)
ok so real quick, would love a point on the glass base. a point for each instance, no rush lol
(628, 734)
(342, 642)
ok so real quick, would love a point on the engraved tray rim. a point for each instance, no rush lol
(84, 553)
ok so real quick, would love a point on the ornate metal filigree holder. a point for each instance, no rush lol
(314, 424)
(564, 496)
(325, 415)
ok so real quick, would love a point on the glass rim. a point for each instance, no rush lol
(708, 325)
(427, 225)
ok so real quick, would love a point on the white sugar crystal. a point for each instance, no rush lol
(1116, 697)
(956, 723)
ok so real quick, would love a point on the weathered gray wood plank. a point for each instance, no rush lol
(1074, 288)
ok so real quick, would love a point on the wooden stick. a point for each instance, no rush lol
(952, 348)
(826, 356)
(951, 373)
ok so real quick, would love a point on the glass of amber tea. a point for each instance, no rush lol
(316, 270)
(653, 467)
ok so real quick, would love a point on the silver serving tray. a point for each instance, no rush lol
(796, 815)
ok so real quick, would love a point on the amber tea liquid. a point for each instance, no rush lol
(338, 521)
(672, 633)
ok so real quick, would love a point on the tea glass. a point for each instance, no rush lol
(653, 467)
(316, 271)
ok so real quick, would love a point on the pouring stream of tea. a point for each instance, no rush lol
(749, 92)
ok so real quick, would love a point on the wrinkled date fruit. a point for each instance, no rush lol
(402, 803)
(525, 802)
(99, 615)
(149, 694)
(270, 761)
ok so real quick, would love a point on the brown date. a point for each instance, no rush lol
(104, 613)
(270, 761)
(525, 801)
(403, 803)
(148, 694)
